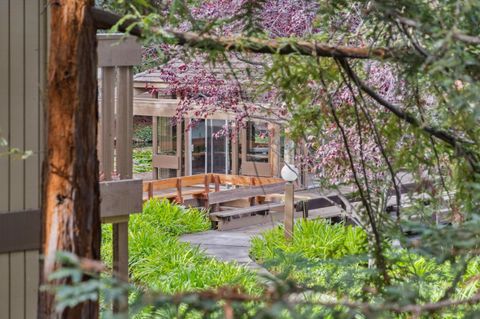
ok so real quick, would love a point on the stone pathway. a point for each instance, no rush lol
(230, 245)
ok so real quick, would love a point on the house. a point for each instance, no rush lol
(181, 148)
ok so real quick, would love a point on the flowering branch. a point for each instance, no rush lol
(455, 142)
(106, 20)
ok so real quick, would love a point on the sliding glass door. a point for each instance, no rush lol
(210, 150)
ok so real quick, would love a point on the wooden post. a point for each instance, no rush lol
(188, 148)
(235, 156)
(124, 124)
(289, 210)
(216, 179)
(107, 120)
(154, 144)
(120, 260)
(179, 148)
(207, 189)
(179, 198)
(150, 190)
(252, 199)
(124, 132)
(274, 152)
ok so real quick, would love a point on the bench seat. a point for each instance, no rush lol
(244, 211)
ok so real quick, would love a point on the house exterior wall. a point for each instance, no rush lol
(23, 38)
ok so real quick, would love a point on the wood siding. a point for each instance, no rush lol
(23, 59)
(19, 277)
(22, 72)
(23, 41)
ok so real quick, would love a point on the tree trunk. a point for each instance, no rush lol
(71, 217)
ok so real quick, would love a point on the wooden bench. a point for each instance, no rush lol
(253, 193)
(177, 184)
(244, 211)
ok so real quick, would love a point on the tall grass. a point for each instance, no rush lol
(159, 261)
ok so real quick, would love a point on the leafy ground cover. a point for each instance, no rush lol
(142, 160)
(334, 258)
(159, 261)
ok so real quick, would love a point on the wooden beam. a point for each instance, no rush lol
(20, 231)
(117, 49)
(119, 198)
(166, 161)
(256, 169)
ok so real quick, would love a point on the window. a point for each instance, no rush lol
(166, 136)
(258, 142)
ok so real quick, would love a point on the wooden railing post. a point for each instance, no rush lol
(150, 190)
(252, 199)
(216, 180)
(289, 210)
(179, 198)
(207, 189)
(155, 144)
(107, 118)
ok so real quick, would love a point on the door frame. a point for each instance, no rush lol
(267, 169)
(208, 148)
(166, 161)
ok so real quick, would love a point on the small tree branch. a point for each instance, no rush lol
(106, 20)
(455, 142)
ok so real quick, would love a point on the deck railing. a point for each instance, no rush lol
(117, 54)
(199, 186)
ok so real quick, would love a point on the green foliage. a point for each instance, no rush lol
(432, 79)
(78, 290)
(315, 239)
(320, 254)
(174, 220)
(142, 135)
(142, 160)
(158, 260)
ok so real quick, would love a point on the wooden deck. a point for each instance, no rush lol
(237, 201)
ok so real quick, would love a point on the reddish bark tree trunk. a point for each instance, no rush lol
(71, 218)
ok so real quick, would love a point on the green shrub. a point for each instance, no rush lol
(334, 256)
(158, 260)
(314, 239)
(142, 135)
(173, 220)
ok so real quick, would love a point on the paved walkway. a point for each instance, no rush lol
(234, 245)
(230, 245)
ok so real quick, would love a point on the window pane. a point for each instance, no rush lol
(258, 142)
(167, 136)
